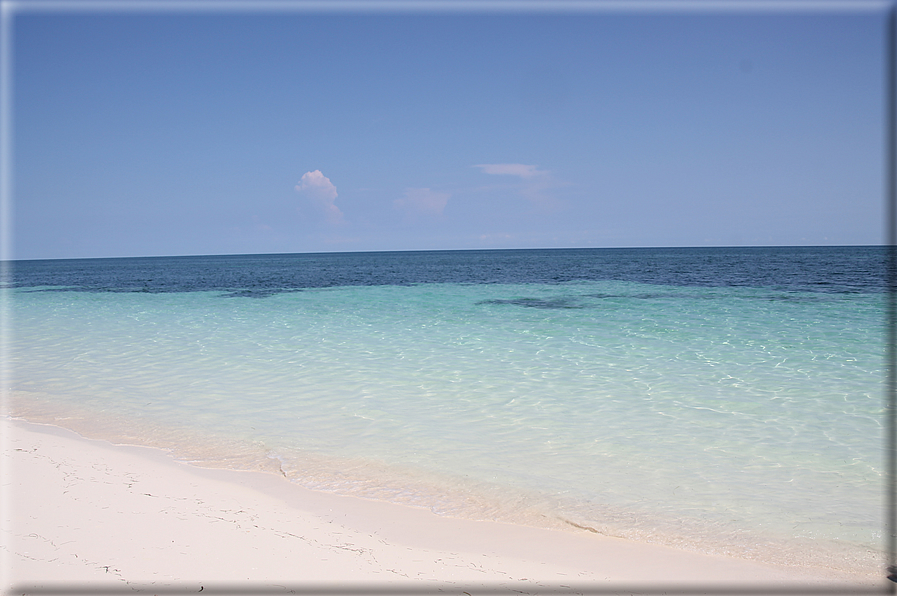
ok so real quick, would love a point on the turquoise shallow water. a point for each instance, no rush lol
(728, 419)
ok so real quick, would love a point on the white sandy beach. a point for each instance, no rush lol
(83, 514)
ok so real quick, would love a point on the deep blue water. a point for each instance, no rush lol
(798, 269)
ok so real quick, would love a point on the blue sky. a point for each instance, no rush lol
(222, 132)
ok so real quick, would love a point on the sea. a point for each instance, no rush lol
(718, 400)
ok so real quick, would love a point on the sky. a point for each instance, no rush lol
(218, 131)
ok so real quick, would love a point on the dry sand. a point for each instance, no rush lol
(81, 515)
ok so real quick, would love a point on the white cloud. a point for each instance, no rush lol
(511, 169)
(534, 184)
(318, 187)
(422, 201)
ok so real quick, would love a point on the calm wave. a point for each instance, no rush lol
(724, 399)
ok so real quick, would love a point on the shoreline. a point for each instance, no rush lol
(85, 512)
(447, 497)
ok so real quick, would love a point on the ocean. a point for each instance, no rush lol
(721, 400)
